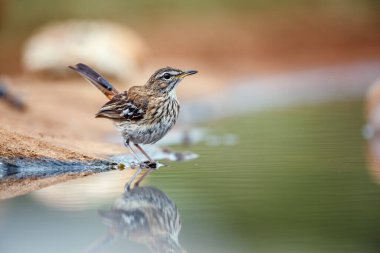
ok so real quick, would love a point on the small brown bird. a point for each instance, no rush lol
(143, 114)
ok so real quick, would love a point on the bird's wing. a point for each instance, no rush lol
(125, 220)
(126, 105)
(96, 79)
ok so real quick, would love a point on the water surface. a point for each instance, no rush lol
(297, 180)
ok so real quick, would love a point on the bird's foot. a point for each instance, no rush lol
(149, 165)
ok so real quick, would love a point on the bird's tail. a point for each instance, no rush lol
(96, 79)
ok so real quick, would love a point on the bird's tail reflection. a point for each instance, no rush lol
(144, 215)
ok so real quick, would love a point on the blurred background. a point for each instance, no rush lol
(283, 119)
(236, 36)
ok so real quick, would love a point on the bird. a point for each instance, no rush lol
(145, 215)
(142, 114)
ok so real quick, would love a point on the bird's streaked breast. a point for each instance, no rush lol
(159, 119)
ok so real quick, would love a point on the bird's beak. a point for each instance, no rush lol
(187, 73)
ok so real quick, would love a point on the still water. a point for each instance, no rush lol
(297, 180)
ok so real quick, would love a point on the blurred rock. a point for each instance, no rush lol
(111, 48)
(373, 110)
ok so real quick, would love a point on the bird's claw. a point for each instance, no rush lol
(149, 165)
(144, 165)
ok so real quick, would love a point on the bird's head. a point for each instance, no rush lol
(166, 79)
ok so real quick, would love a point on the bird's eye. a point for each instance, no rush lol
(166, 75)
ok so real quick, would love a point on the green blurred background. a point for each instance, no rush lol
(23, 14)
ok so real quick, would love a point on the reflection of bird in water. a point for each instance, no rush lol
(145, 215)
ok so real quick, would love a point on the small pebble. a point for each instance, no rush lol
(121, 166)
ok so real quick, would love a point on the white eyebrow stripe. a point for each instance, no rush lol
(172, 73)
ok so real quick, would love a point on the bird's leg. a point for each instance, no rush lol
(126, 143)
(152, 165)
(127, 186)
(152, 162)
(142, 178)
